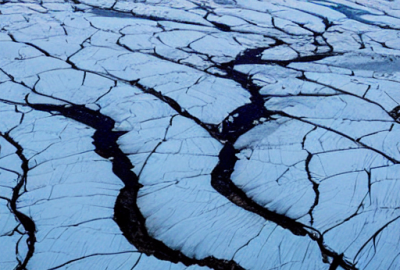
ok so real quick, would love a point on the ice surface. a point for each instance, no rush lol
(73, 86)
(271, 167)
(201, 134)
(279, 53)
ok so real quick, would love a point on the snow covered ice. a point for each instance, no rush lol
(200, 134)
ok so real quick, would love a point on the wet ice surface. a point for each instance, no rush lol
(199, 134)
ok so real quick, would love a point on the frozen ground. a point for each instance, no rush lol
(191, 134)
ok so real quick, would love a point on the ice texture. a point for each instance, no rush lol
(199, 134)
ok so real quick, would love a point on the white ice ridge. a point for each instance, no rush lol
(244, 134)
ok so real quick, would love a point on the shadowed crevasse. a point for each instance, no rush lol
(127, 214)
(26, 222)
(239, 122)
